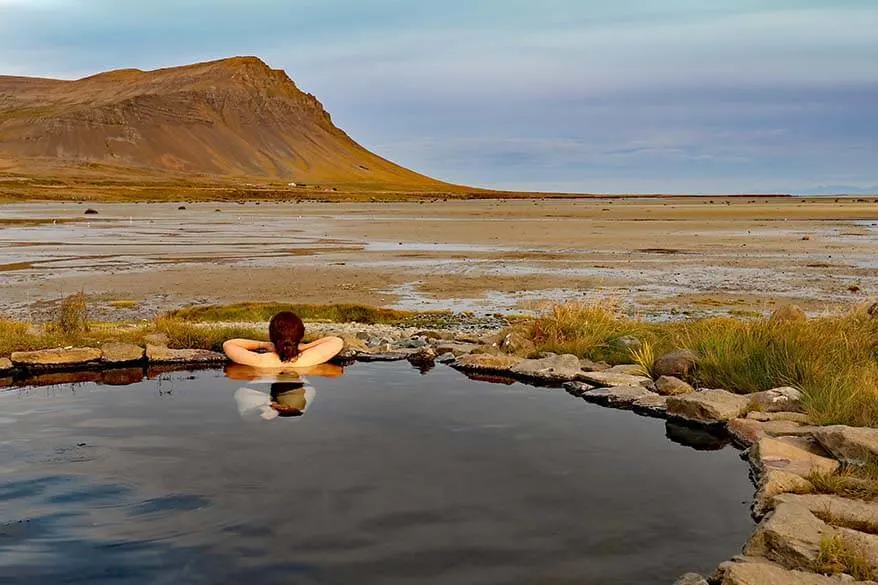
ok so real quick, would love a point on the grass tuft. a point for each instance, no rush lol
(342, 313)
(851, 481)
(840, 555)
(72, 317)
(644, 357)
(833, 360)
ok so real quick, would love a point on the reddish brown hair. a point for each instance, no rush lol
(286, 331)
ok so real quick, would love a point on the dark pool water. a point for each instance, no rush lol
(389, 477)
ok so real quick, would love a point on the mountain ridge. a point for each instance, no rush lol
(228, 118)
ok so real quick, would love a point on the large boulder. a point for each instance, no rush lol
(680, 364)
(788, 313)
(555, 368)
(609, 379)
(855, 445)
(162, 355)
(796, 455)
(618, 396)
(707, 406)
(121, 353)
(784, 399)
(53, 358)
(671, 386)
(789, 536)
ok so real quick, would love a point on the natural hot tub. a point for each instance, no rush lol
(390, 476)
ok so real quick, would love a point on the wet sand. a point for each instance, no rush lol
(652, 256)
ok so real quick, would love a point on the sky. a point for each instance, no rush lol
(671, 96)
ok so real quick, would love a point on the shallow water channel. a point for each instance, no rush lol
(390, 476)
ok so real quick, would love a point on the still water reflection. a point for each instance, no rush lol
(388, 476)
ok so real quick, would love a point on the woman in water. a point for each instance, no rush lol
(285, 350)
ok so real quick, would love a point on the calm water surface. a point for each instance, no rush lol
(389, 477)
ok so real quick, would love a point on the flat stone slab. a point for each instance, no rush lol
(632, 369)
(835, 510)
(383, 356)
(5, 365)
(484, 362)
(458, 349)
(707, 407)
(766, 573)
(617, 396)
(795, 455)
(577, 388)
(48, 358)
(773, 483)
(746, 431)
(162, 355)
(652, 405)
(798, 417)
(120, 353)
(610, 379)
(558, 368)
(855, 445)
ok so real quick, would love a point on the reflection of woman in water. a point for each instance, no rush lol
(285, 349)
(291, 395)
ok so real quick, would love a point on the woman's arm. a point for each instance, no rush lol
(318, 352)
(242, 351)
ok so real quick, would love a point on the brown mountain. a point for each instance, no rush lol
(230, 118)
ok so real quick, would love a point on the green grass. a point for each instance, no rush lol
(851, 481)
(833, 360)
(840, 555)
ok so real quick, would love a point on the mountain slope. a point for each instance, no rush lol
(229, 118)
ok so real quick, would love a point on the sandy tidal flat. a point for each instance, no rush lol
(653, 256)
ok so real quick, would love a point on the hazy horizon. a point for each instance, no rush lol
(558, 95)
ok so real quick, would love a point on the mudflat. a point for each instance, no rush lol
(654, 256)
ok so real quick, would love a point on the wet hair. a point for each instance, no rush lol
(286, 331)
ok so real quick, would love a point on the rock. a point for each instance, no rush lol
(795, 455)
(425, 356)
(835, 510)
(774, 482)
(788, 313)
(347, 353)
(485, 362)
(626, 342)
(679, 364)
(590, 366)
(652, 405)
(789, 536)
(609, 379)
(415, 343)
(618, 396)
(554, 369)
(120, 353)
(691, 579)
(671, 386)
(49, 358)
(458, 349)
(746, 431)
(577, 388)
(798, 417)
(854, 445)
(446, 358)
(162, 355)
(383, 356)
(515, 342)
(5, 365)
(632, 369)
(761, 572)
(90, 211)
(707, 406)
(785, 399)
(159, 339)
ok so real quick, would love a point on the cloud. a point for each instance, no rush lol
(740, 93)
